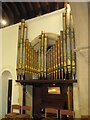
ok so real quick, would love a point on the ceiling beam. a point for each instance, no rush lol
(57, 6)
(30, 6)
(5, 17)
(39, 8)
(36, 8)
(4, 14)
(48, 7)
(30, 10)
(61, 5)
(15, 11)
(8, 11)
(38, 5)
(52, 6)
(15, 8)
(0, 10)
(23, 9)
(44, 7)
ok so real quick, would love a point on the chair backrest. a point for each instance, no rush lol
(66, 112)
(85, 117)
(51, 110)
(15, 107)
(27, 108)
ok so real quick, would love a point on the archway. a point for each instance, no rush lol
(52, 38)
(6, 75)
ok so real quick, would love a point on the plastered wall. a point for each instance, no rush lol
(80, 19)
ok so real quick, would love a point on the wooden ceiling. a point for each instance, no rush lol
(13, 12)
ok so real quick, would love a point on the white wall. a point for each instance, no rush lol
(0, 72)
(51, 22)
(9, 53)
(80, 18)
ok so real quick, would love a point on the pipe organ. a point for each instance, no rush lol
(57, 62)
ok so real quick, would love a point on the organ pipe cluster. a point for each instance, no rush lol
(60, 59)
(42, 68)
(27, 57)
(57, 62)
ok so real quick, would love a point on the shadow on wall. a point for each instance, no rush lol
(29, 96)
(6, 75)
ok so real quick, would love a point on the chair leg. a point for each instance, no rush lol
(60, 116)
(45, 113)
(57, 113)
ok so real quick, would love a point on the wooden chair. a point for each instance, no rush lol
(25, 108)
(13, 114)
(52, 111)
(65, 113)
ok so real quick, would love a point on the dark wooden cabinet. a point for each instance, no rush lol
(42, 99)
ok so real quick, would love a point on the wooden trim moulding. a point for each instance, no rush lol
(36, 81)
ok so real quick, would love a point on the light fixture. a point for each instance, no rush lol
(4, 22)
